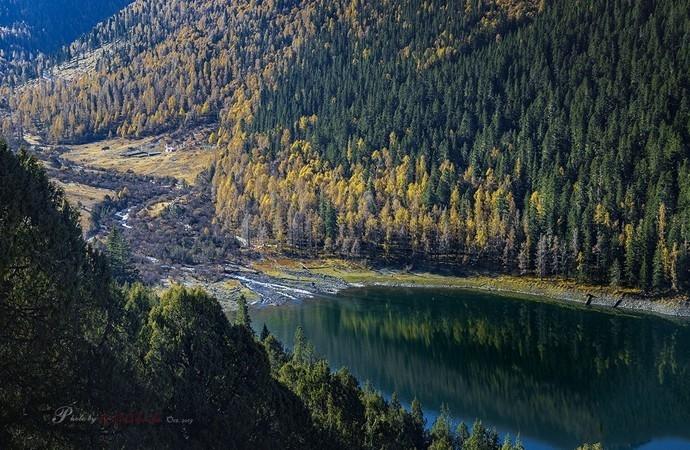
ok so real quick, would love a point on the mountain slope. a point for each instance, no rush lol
(534, 137)
(167, 64)
(46, 25)
(559, 147)
(170, 64)
(32, 33)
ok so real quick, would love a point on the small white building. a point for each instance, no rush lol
(169, 148)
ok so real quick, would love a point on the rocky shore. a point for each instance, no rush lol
(294, 285)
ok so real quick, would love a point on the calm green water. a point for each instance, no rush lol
(557, 375)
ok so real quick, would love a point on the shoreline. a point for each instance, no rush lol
(277, 282)
(663, 307)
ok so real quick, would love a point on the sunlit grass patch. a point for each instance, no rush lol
(155, 210)
(184, 163)
(83, 198)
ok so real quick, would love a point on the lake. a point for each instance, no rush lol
(557, 375)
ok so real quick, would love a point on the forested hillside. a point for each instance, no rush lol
(28, 28)
(530, 136)
(47, 25)
(86, 363)
(178, 63)
(167, 64)
(558, 147)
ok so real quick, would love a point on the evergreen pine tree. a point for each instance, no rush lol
(615, 274)
(264, 333)
(242, 317)
(120, 257)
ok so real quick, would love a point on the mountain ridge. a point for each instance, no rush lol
(33, 33)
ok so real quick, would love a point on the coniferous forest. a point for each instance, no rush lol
(557, 148)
